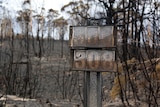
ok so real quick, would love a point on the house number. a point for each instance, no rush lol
(93, 59)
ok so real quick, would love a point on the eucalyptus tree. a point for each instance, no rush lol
(61, 25)
(6, 54)
(25, 20)
(90, 12)
(39, 21)
(12, 55)
(51, 16)
(24, 16)
(6, 28)
(77, 12)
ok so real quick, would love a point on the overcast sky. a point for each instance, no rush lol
(14, 5)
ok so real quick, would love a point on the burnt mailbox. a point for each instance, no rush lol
(92, 48)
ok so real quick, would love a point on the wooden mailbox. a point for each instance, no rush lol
(89, 48)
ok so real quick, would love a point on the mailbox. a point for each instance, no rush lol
(89, 48)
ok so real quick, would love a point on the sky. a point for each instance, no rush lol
(14, 5)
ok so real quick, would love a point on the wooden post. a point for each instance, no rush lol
(92, 89)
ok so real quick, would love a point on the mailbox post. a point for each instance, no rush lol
(92, 51)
